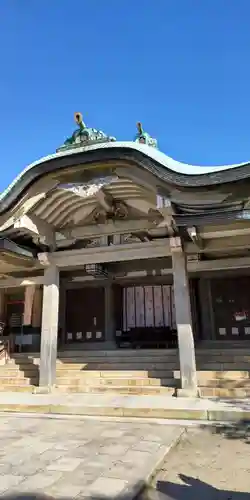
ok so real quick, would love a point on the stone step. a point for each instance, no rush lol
(224, 392)
(220, 367)
(17, 380)
(125, 365)
(115, 373)
(5, 370)
(129, 353)
(120, 362)
(122, 382)
(219, 375)
(223, 359)
(17, 388)
(97, 389)
(23, 366)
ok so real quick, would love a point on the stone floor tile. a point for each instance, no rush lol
(49, 456)
(136, 457)
(64, 464)
(9, 481)
(148, 446)
(64, 490)
(114, 450)
(112, 433)
(155, 438)
(107, 487)
(27, 469)
(125, 471)
(40, 481)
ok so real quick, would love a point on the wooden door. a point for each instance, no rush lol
(85, 315)
(231, 308)
(14, 316)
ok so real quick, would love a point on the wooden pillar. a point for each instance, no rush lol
(37, 308)
(28, 304)
(50, 309)
(183, 321)
(2, 305)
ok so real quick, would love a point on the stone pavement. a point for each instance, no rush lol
(140, 406)
(208, 464)
(78, 458)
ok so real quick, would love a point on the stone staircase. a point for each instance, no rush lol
(20, 374)
(222, 372)
(119, 372)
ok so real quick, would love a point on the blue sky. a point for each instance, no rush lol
(179, 66)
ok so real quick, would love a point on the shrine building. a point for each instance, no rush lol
(113, 246)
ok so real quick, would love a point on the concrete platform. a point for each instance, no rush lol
(108, 405)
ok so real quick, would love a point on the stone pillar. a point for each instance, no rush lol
(48, 353)
(109, 318)
(183, 321)
(28, 304)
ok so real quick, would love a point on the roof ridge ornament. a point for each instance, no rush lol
(143, 137)
(84, 136)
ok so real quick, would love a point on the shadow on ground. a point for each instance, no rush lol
(234, 430)
(192, 489)
(189, 489)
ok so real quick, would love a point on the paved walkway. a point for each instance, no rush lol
(157, 406)
(208, 464)
(77, 458)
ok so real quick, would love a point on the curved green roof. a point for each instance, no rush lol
(161, 165)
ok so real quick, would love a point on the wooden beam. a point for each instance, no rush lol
(115, 253)
(16, 282)
(110, 228)
(38, 227)
(105, 200)
(220, 245)
(224, 233)
(219, 264)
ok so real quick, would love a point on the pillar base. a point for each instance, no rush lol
(42, 389)
(188, 393)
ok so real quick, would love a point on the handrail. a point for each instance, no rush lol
(5, 352)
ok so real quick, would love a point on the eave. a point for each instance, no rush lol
(14, 257)
(170, 174)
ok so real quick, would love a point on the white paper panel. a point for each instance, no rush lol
(130, 307)
(235, 331)
(173, 317)
(158, 306)
(167, 304)
(124, 309)
(148, 306)
(149, 311)
(222, 331)
(139, 304)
